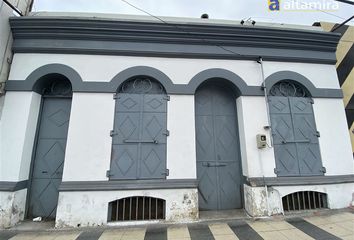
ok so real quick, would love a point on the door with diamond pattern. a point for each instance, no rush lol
(295, 137)
(49, 157)
(139, 137)
(218, 152)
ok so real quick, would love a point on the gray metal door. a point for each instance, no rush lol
(295, 137)
(218, 153)
(49, 157)
(139, 137)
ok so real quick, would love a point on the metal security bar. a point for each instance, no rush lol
(305, 200)
(136, 208)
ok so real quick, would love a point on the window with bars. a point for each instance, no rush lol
(136, 208)
(304, 200)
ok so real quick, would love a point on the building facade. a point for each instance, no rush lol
(120, 118)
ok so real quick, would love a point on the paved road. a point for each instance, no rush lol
(339, 225)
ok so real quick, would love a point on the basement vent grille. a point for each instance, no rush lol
(136, 208)
(305, 200)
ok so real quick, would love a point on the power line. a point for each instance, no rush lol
(181, 29)
(345, 1)
(328, 13)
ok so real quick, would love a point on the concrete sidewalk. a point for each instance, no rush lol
(323, 225)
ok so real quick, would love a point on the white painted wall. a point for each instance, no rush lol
(335, 144)
(181, 71)
(88, 148)
(181, 149)
(91, 208)
(18, 128)
(252, 117)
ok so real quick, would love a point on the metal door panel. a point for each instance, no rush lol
(154, 127)
(203, 102)
(55, 116)
(218, 155)
(295, 136)
(305, 128)
(124, 161)
(226, 143)
(208, 187)
(282, 129)
(155, 103)
(45, 192)
(229, 178)
(128, 102)
(300, 105)
(205, 138)
(278, 105)
(309, 159)
(139, 137)
(153, 161)
(286, 159)
(49, 157)
(127, 126)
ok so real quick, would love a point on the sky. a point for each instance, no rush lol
(216, 9)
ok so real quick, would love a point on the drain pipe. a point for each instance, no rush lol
(269, 127)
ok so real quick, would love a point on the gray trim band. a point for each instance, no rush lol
(36, 34)
(34, 81)
(13, 186)
(297, 181)
(127, 185)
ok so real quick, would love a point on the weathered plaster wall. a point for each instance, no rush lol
(91, 208)
(12, 207)
(257, 204)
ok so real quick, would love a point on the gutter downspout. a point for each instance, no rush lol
(269, 127)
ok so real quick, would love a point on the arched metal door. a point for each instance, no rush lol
(50, 150)
(139, 135)
(295, 137)
(218, 152)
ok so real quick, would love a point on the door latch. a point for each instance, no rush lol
(166, 172)
(108, 173)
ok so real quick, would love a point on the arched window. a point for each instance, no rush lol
(295, 136)
(139, 135)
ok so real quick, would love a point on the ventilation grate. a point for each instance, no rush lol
(136, 208)
(305, 200)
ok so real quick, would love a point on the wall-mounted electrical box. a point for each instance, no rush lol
(261, 141)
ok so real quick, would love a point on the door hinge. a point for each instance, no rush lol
(167, 133)
(115, 96)
(311, 101)
(276, 171)
(323, 169)
(108, 173)
(112, 133)
(318, 134)
(167, 172)
(167, 98)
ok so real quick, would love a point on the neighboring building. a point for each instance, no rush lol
(110, 118)
(345, 69)
(6, 39)
(6, 12)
